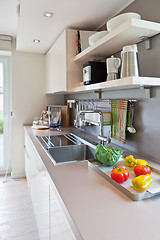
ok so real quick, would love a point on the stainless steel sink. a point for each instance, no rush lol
(58, 140)
(67, 148)
(72, 153)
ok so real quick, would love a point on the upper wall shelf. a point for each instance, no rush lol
(127, 33)
(119, 84)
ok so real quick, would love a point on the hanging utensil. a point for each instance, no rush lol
(131, 129)
(109, 137)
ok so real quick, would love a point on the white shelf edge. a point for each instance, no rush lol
(119, 84)
(152, 29)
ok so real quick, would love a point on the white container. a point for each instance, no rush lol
(118, 20)
(95, 37)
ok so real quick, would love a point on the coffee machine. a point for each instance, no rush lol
(113, 64)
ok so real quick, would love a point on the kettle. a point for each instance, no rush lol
(112, 67)
(129, 57)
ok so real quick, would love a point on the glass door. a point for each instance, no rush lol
(1, 118)
(5, 98)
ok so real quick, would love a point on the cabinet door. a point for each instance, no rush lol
(39, 189)
(59, 227)
(55, 66)
(74, 69)
(40, 199)
(30, 161)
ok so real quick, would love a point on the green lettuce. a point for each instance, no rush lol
(107, 154)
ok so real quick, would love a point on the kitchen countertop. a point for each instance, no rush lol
(95, 209)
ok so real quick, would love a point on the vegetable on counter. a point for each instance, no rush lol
(142, 182)
(141, 162)
(141, 170)
(107, 154)
(130, 161)
(119, 166)
(119, 175)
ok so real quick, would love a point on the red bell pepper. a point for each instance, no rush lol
(120, 175)
(141, 170)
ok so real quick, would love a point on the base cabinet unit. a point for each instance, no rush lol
(39, 189)
(51, 222)
(61, 72)
(40, 200)
(60, 228)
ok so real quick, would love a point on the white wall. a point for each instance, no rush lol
(28, 100)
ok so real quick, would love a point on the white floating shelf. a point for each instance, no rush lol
(119, 84)
(127, 33)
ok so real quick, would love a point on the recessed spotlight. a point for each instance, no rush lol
(48, 14)
(36, 40)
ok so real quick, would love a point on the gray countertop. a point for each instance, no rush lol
(95, 209)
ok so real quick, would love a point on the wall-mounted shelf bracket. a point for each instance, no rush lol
(147, 41)
(99, 93)
(141, 87)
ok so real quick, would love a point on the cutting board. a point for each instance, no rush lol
(40, 127)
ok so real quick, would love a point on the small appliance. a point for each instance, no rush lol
(112, 68)
(129, 57)
(94, 72)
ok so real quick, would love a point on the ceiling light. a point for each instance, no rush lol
(48, 14)
(36, 40)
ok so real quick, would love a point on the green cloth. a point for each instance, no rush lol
(119, 119)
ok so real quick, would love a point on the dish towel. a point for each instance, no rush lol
(119, 119)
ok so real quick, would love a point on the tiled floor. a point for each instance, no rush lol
(17, 219)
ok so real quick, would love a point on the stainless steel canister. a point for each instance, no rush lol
(129, 66)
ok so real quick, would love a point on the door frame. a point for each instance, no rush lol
(5, 59)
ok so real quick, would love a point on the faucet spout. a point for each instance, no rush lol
(79, 114)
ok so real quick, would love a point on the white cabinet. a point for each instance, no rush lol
(61, 72)
(30, 161)
(39, 189)
(55, 66)
(59, 226)
(50, 218)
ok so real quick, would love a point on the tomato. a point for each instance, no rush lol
(119, 175)
(141, 170)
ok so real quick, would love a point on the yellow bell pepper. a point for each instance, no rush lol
(130, 161)
(141, 162)
(142, 182)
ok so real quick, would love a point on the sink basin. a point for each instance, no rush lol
(67, 148)
(58, 140)
(71, 153)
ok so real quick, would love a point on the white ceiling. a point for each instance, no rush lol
(8, 17)
(31, 24)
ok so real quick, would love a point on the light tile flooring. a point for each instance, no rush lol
(17, 219)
